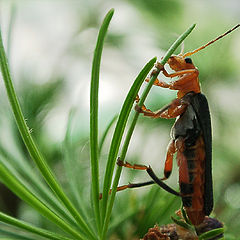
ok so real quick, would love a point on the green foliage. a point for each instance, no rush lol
(13, 182)
(65, 201)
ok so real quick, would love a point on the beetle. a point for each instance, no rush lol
(191, 137)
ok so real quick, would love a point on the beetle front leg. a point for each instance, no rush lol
(159, 68)
(139, 109)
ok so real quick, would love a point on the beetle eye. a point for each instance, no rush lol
(188, 60)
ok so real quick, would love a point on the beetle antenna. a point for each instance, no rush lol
(209, 43)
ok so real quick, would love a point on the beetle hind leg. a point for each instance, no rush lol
(151, 173)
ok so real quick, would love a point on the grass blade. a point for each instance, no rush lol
(94, 115)
(132, 126)
(27, 227)
(32, 147)
(117, 136)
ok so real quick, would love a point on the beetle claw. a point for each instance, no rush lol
(120, 163)
(138, 108)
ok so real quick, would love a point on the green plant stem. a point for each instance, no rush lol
(31, 146)
(94, 116)
(134, 121)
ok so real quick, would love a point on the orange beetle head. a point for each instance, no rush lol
(178, 63)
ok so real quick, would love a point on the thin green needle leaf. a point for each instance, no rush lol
(94, 115)
(130, 131)
(117, 136)
(31, 146)
(211, 234)
(27, 227)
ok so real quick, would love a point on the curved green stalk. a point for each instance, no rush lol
(94, 115)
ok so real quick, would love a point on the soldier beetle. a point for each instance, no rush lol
(191, 137)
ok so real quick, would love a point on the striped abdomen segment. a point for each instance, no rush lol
(191, 180)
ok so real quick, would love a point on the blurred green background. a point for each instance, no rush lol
(50, 52)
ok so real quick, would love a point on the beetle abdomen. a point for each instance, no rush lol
(195, 157)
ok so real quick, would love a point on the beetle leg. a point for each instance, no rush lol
(171, 149)
(150, 173)
(188, 73)
(180, 73)
(143, 108)
(161, 183)
(130, 185)
(128, 165)
(160, 68)
(159, 83)
(155, 180)
(142, 184)
(176, 108)
(134, 185)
